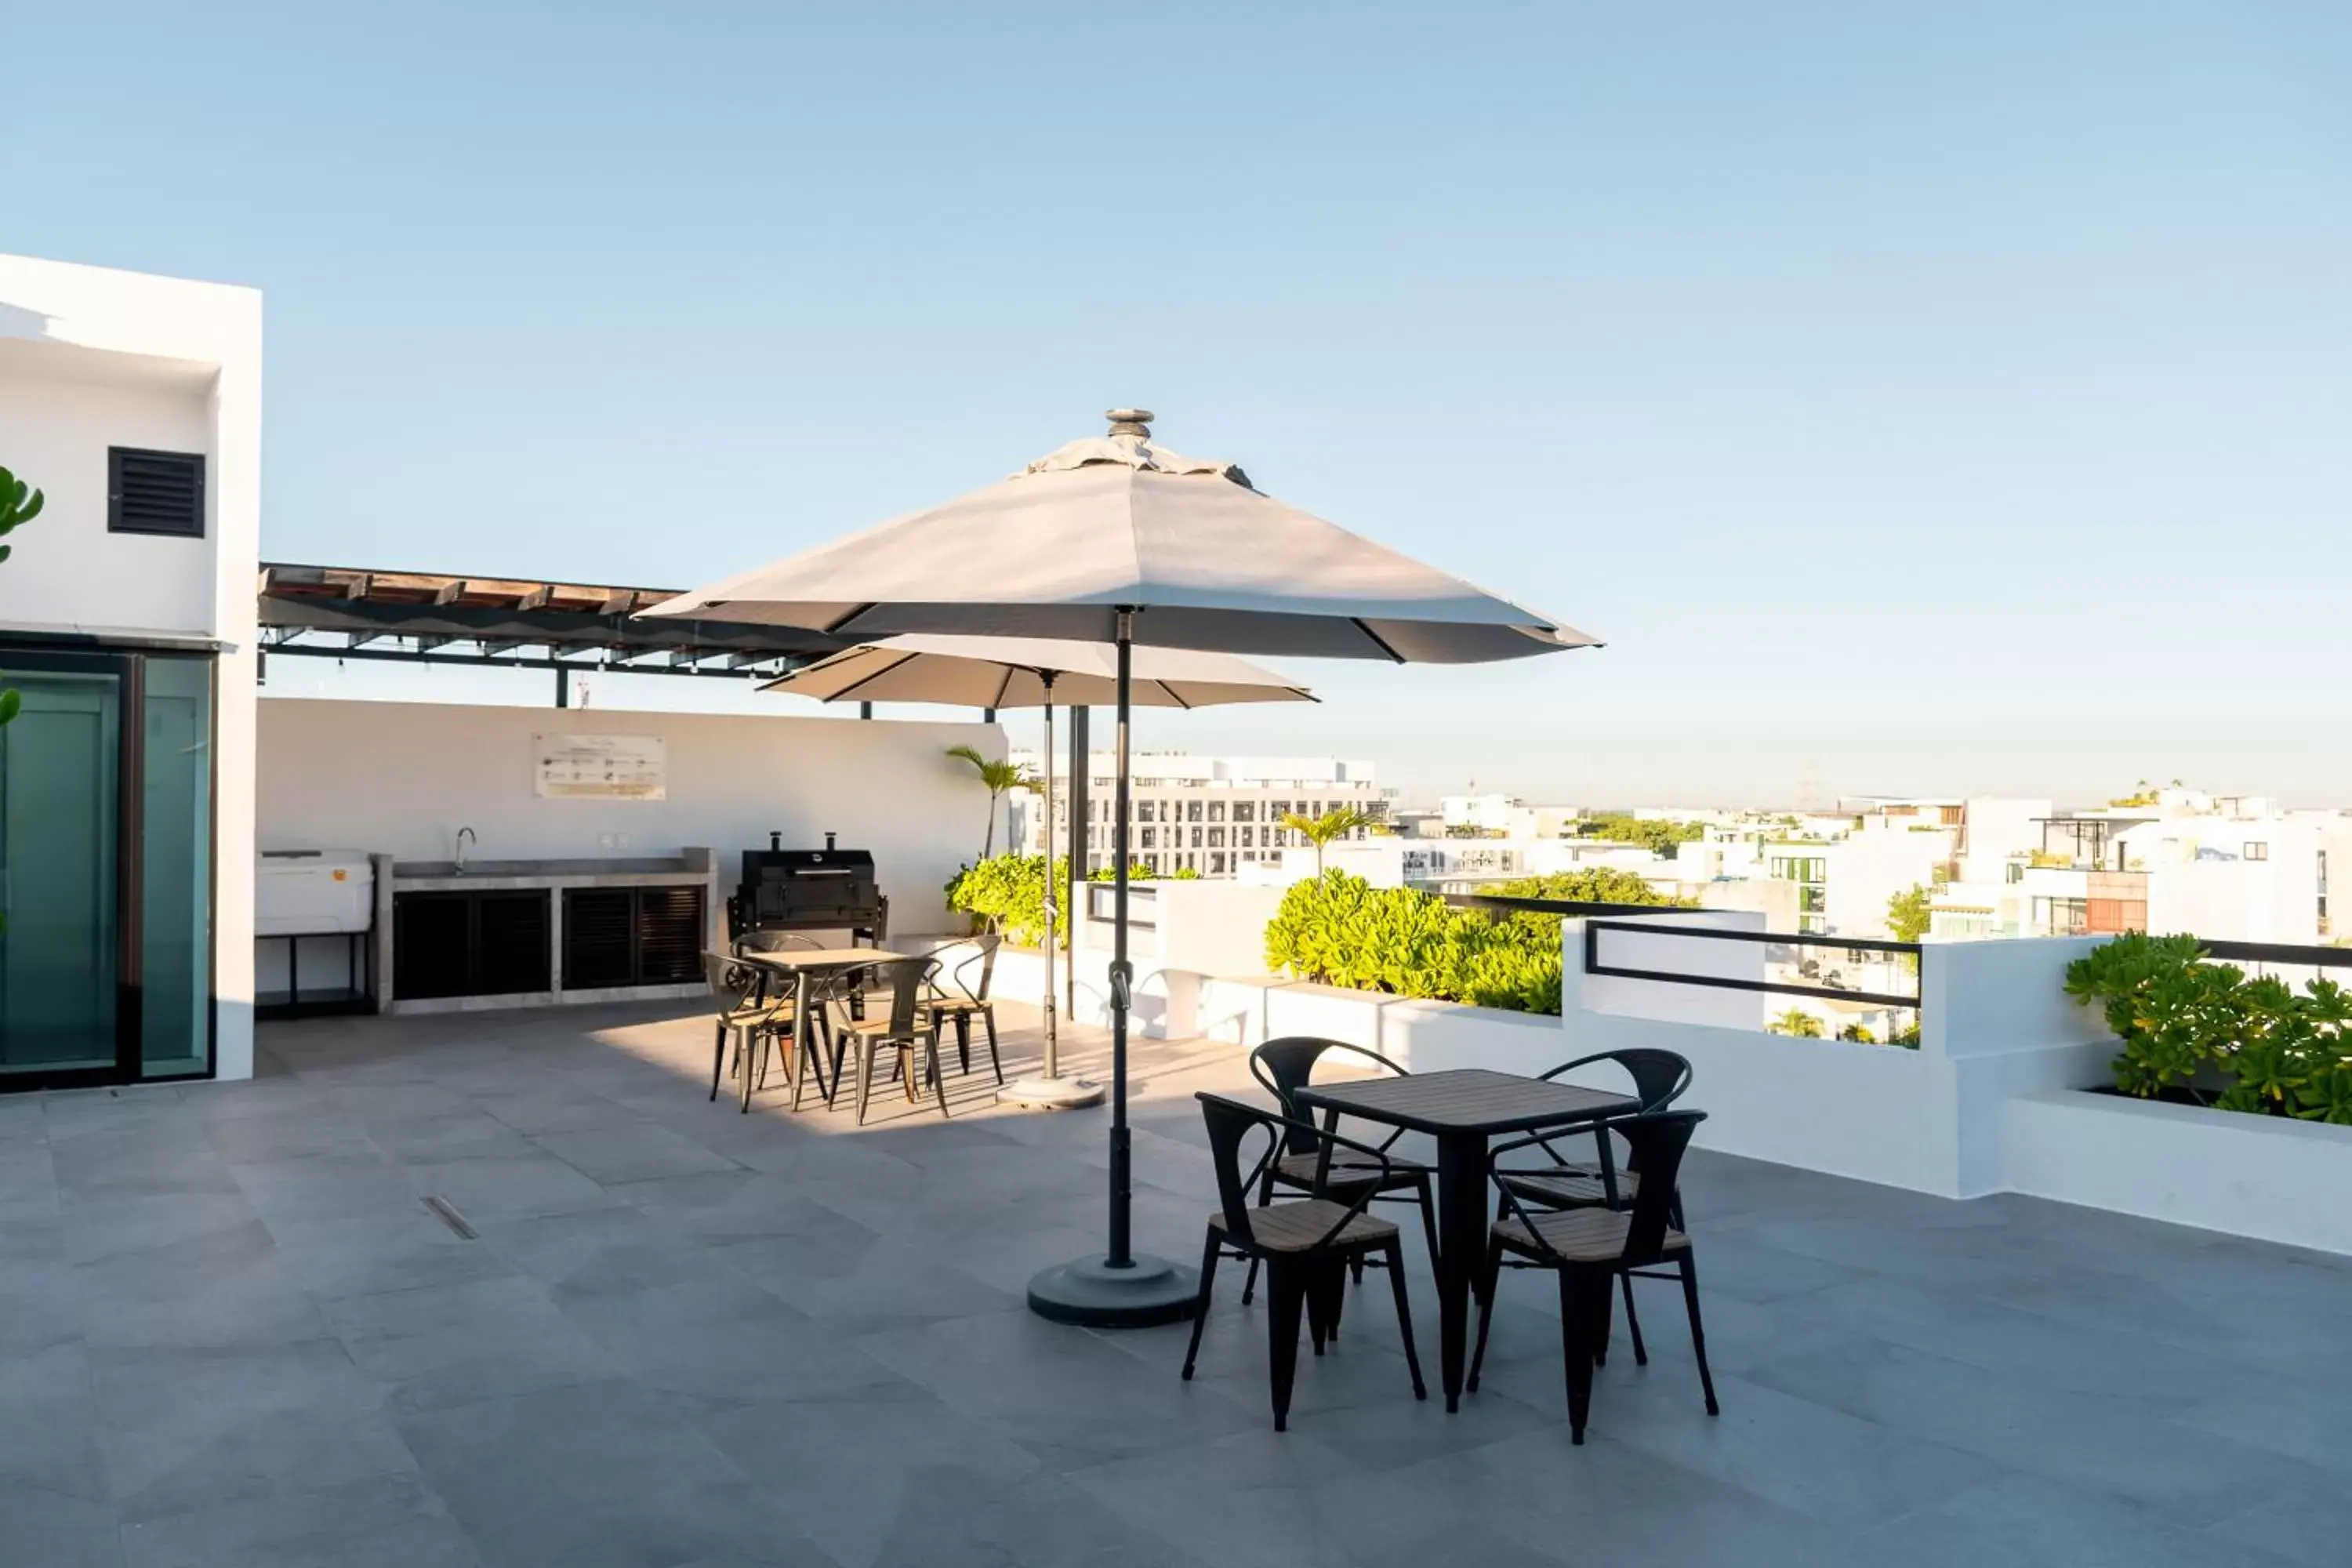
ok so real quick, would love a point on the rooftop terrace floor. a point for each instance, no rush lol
(230, 1333)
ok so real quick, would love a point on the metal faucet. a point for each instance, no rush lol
(464, 835)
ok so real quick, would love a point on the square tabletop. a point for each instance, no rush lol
(1467, 1100)
(799, 958)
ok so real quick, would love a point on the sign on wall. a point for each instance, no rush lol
(599, 767)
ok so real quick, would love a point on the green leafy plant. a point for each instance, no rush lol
(1591, 885)
(1909, 913)
(1006, 893)
(1339, 930)
(999, 777)
(2203, 1031)
(1333, 825)
(1796, 1021)
(1858, 1033)
(20, 503)
(1655, 835)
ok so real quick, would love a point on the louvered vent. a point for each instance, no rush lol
(669, 935)
(154, 493)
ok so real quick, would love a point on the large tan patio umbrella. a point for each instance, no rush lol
(1036, 672)
(1113, 540)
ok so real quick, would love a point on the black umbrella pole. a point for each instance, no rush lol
(1117, 1289)
(1121, 977)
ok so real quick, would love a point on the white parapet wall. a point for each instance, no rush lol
(2003, 1094)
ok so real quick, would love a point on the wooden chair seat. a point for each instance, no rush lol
(1296, 1228)
(957, 1004)
(1347, 1171)
(870, 1026)
(1569, 1186)
(1581, 1235)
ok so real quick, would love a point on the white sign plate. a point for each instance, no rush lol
(599, 767)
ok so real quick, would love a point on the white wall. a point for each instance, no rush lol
(400, 778)
(89, 358)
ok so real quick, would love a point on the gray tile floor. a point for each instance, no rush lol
(230, 1333)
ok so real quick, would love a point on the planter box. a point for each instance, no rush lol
(2263, 1176)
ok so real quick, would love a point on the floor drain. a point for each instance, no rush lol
(448, 1215)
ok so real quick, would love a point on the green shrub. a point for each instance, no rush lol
(1590, 885)
(1339, 930)
(2187, 1024)
(1006, 893)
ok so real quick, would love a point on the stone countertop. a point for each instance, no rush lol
(509, 876)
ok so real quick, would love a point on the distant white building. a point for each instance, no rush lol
(1210, 815)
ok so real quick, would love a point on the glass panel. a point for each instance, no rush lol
(57, 829)
(176, 892)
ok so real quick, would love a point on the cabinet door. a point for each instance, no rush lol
(669, 935)
(510, 943)
(432, 945)
(599, 937)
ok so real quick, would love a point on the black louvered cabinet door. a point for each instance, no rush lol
(669, 935)
(631, 936)
(599, 937)
(511, 943)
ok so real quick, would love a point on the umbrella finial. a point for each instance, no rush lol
(1134, 422)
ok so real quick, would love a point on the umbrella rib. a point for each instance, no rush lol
(902, 659)
(840, 622)
(1174, 695)
(1378, 641)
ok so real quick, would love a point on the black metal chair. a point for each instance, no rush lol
(744, 1015)
(967, 1001)
(1306, 1246)
(1591, 1247)
(1660, 1077)
(905, 1030)
(1284, 1067)
(810, 1046)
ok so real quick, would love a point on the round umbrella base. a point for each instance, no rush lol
(1092, 1294)
(1051, 1093)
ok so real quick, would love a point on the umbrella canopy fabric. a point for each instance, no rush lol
(1009, 673)
(1112, 521)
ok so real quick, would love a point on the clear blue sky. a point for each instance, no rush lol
(1916, 397)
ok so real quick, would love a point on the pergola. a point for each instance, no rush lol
(510, 623)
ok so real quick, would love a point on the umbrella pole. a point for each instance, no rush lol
(1120, 1289)
(1050, 1091)
(1052, 893)
(1122, 972)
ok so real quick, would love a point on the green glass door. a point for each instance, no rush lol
(60, 764)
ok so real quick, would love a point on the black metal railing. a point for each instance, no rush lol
(2291, 954)
(1789, 939)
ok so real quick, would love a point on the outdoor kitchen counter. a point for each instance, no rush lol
(450, 939)
(515, 876)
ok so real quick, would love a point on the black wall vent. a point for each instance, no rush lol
(154, 493)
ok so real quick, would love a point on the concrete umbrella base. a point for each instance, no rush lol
(1092, 1294)
(1051, 1093)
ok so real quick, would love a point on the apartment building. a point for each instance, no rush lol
(1207, 816)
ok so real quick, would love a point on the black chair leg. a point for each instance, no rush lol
(938, 1078)
(1404, 1318)
(1265, 1196)
(963, 1042)
(1285, 1290)
(1485, 1288)
(1698, 1334)
(1201, 1303)
(1355, 1267)
(1335, 1287)
(1604, 1328)
(1575, 1347)
(718, 1056)
(1633, 1323)
(862, 1052)
(987, 1019)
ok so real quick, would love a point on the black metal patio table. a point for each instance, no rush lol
(795, 965)
(1463, 1109)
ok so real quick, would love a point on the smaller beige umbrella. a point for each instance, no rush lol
(1036, 672)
